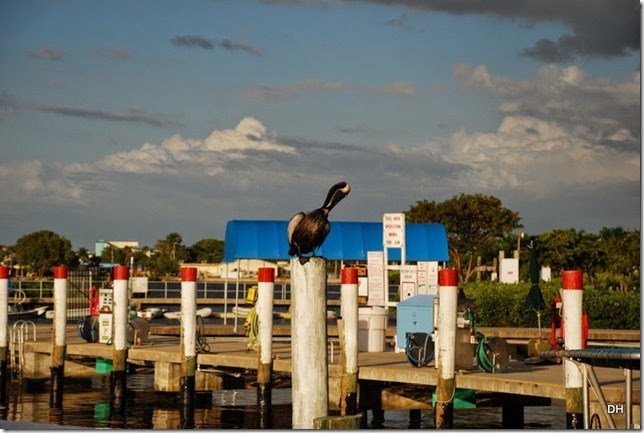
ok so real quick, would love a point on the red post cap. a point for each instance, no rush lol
(4, 272)
(121, 273)
(448, 278)
(349, 276)
(188, 274)
(572, 280)
(266, 275)
(60, 271)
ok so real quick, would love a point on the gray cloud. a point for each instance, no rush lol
(46, 52)
(209, 44)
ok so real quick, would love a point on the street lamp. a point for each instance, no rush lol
(519, 237)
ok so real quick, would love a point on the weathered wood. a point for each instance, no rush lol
(346, 422)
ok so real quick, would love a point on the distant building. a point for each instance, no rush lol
(99, 246)
(242, 268)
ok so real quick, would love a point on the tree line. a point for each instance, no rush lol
(478, 227)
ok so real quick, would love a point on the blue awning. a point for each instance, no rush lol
(266, 240)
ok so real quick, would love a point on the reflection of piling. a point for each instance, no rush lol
(265, 287)
(446, 388)
(119, 353)
(188, 345)
(309, 342)
(4, 323)
(572, 283)
(58, 349)
(349, 341)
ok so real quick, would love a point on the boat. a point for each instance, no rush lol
(18, 313)
(151, 313)
(202, 312)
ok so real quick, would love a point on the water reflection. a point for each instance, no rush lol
(86, 403)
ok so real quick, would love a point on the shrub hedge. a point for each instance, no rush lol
(503, 305)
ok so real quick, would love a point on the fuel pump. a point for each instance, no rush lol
(105, 316)
(557, 336)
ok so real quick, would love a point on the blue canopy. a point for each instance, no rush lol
(266, 240)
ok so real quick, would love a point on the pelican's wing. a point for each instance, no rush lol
(292, 224)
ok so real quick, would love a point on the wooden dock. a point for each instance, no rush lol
(387, 380)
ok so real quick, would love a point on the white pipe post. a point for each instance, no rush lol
(58, 349)
(573, 285)
(120, 311)
(309, 342)
(188, 344)
(4, 327)
(265, 289)
(349, 360)
(446, 386)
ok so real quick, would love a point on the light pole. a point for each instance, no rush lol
(519, 237)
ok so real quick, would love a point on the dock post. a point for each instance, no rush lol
(310, 372)
(265, 287)
(4, 324)
(446, 387)
(188, 345)
(119, 357)
(59, 337)
(573, 285)
(349, 341)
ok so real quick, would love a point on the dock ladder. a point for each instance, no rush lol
(20, 333)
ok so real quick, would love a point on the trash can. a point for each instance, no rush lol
(372, 327)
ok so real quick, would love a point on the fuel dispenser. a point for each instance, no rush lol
(557, 326)
(105, 316)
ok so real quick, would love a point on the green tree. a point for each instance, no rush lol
(206, 250)
(475, 223)
(42, 250)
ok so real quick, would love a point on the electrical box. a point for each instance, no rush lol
(415, 314)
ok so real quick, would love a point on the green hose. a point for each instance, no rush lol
(484, 363)
(252, 322)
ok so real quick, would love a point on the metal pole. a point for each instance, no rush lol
(349, 310)
(309, 342)
(446, 387)
(119, 352)
(265, 287)
(629, 398)
(572, 283)
(188, 345)
(58, 349)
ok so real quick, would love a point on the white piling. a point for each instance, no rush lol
(188, 344)
(309, 342)
(4, 325)
(446, 386)
(572, 284)
(120, 311)
(265, 288)
(349, 308)
(59, 337)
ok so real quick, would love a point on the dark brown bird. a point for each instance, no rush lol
(307, 231)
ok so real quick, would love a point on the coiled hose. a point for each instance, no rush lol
(418, 350)
(483, 352)
(252, 323)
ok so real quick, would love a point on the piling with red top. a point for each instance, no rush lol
(446, 352)
(119, 357)
(348, 327)
(188, 344)
(264, 308)
(572, 283)
(4, 323)
(59, 348)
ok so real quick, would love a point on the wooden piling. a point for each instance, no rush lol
(119, 353)
(348, 329)
(572, 297)
(309, 342)
(59, 337)
(188, 345)
(4, 324)
(265, 287)
(446, 353)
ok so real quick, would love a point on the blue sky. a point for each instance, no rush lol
(130, 120)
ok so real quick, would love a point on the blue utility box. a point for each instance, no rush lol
(415, 314)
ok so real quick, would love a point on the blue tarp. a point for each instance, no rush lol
(266, 240)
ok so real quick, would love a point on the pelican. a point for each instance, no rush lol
(307, 231)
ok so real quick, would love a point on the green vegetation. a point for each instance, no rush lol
(499, 304)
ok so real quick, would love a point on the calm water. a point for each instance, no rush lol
(86, 403)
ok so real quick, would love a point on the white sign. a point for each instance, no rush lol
(393, 230)
(509, 271)
(427, 278)
(375, 275)
(408, 281)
